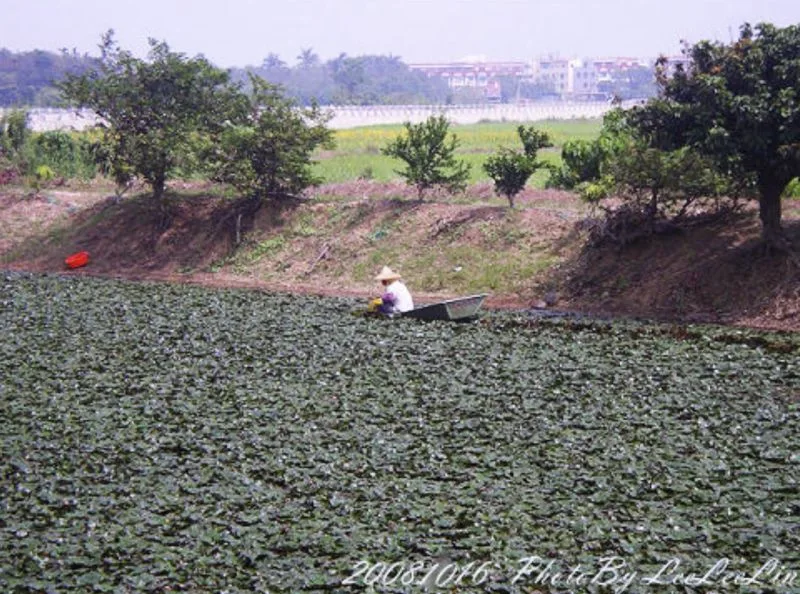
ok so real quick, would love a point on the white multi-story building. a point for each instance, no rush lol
(583, 78)
(477, 74)
(554, 73)
(569, 78)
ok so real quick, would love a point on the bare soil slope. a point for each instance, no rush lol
(716, 273)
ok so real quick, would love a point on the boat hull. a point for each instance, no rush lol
(463, 308)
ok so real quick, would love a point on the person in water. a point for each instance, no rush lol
(396, 297)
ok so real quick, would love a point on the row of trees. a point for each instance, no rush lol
(429, 153)
(171, 114)
(349, 80)
(726, 127)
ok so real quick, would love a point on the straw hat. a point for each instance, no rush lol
(387, 274)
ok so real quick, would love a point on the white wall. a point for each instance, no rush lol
(43, 119)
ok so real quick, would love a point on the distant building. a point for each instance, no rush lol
(494, 91)
(584, 80)
(567, 78)
(477, 75)
(554, 73)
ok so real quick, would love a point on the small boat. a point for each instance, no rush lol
(461, 309)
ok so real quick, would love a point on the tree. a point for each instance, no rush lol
(653, 190)
(307, 58)
(265, 150)
(14, 133)
(659, 189)
(352, 80)
(510, 169)
(273, 61)
(310, 81)
(26, 78)
(583, 161)
(151, 110)
(429, 156)
(740, 105)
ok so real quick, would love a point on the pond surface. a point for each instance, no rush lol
(170, 438)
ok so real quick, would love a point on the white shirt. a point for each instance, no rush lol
(403, 301)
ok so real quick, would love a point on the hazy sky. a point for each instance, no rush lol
(243, 32)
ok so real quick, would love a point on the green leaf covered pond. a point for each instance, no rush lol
(163, 438)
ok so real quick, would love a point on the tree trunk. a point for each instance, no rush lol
(159, 196)
(770, 191)
(651, 211)
(159, 184)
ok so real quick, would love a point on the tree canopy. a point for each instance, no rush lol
(265, 148)
(429, 156)
(738, 104)
(510, 169)
(150, 108)
(650, 189)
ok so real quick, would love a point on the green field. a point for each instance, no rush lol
(357, 152)
(347, 167)
(473, 137)
(164, 438)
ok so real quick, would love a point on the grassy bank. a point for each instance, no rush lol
(449, 245)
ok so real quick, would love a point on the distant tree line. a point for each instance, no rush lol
(30, 79)
(349, 80)
(27, 78)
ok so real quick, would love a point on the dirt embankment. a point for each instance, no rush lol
(528, 257)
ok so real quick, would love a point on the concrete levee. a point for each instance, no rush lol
(44, 119)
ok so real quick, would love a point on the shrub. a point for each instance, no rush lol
(14, 132)
(44, 173)
(793, 189)
(659, 190)
(67, 155)
(429, 156)
(581, 163)
(510, 169)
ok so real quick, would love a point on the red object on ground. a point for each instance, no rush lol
(77, 260)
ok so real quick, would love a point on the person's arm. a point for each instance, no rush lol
(388, 301)
(389, 297)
